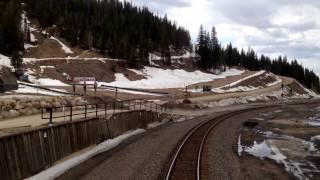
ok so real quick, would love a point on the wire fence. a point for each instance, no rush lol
(96, 110)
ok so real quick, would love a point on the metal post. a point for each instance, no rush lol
(105, 108)
(85, 111)
(116, 93)
(70, 113)
(140, 105)
(121, 103)
(74, 89)
(50, 111)
(95, 88)
(85, 88)
(96, 110)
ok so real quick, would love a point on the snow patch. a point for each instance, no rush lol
(65, 48)
(32, 90)
(315, 138)
(49, 82)
(29, 46)
(278, 80)
(5, 61)
(155, 124)
(45, 67)
(157, 78)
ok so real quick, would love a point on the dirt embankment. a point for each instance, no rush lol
(259, 81)
(63, 70)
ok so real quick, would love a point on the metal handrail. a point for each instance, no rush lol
(98, 108)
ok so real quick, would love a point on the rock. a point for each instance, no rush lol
(5, 114)
(19, 106)
(56, 104)
(13, 113)
(28, 111)
(22, 111)
(35, 111)
(44, 104)
(36, 104)
(9, 104)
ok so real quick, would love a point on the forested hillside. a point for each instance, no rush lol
(213, 56)
(117, 29)
(11, 36)
(121, 30)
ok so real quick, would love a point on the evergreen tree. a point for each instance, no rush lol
(16, 60)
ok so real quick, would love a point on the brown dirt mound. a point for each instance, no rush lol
(294, 86)
(258, 81)
(102, 70)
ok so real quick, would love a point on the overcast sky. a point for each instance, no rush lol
(272, 27)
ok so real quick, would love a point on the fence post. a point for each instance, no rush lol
(156, 107)
(105, 108)
(96, 110)
(50, 111)
(140, 105)
(121, 104)
(85, 111)
(70, 113)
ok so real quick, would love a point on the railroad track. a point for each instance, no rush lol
(187, 160)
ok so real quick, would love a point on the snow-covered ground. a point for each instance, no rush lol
(29, 46)
(49, 82)
(32, 90)
(157, 78)
(187, 54)
(31, 60)
(5, 61)
(65, 48)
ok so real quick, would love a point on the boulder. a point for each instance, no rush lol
(13, 113)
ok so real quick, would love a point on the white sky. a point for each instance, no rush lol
(272, 27)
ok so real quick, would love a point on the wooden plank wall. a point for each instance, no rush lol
(25, 154)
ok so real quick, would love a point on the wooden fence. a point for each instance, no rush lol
(25, 154)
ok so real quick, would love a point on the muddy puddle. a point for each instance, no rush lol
(289, 137)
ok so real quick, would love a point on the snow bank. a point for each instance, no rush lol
(157, 78)
(57, 170)
(32, 90)
(49, 82)
(29, 46)
(65, 48)
(33, 39)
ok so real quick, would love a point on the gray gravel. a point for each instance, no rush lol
(223, 160)
(140, 157)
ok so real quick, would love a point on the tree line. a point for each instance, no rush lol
(117, 29)
(214, 56)
(11, 35)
